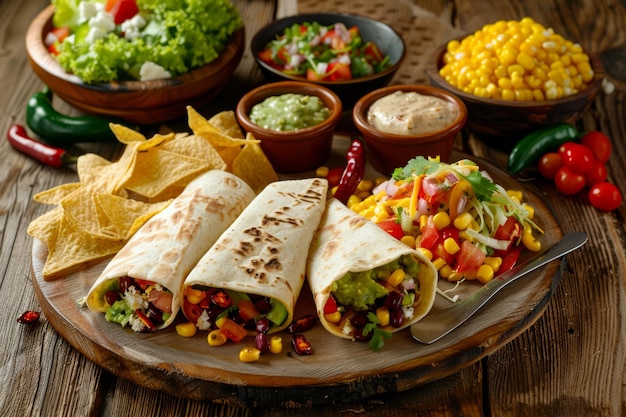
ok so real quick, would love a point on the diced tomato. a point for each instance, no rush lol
(233, 331)
(311, 75)
(450, 231)
(469, 258)
(392, 227)
(247, 310)
(121, 10)
(372, 53)
(161, 300)
(266, 56)
(145, 320)
(439, 252)
(337, 71)
(53, 50)
(430, 235)
(509, 259)
(354, 32)
(510, 231)
(143, 283)
(192, 311)
(331, 305)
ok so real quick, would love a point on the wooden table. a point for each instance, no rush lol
(569, 363)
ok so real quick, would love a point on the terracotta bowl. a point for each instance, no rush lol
(387, 39)
(387, 151)
(140, 102)
(297, 150)
(506, 122)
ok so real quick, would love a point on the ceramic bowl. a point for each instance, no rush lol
(506, 122)
(296, 150)
(387, 39)
(387, 151)
(140, 102)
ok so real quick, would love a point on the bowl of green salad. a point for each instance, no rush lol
(347, 53)
(132, 59)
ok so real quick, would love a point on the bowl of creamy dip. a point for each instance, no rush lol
(294, 121)
(403, 121)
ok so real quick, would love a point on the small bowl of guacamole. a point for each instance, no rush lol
(294, 121)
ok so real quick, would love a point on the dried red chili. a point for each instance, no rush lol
(49, 155)
(302, 324)
(354, 171)
(301, 344)
(28, 317)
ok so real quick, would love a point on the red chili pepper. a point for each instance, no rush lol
(354, 171)
(301, 345)
(49, 155)
(302, 324)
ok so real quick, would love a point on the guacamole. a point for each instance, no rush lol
(361, 289)
(289, 112)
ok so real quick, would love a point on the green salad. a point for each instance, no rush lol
(107, 40)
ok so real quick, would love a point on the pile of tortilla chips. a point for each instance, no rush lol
(93, 218)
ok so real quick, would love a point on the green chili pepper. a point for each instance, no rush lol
(532, 146)
(59, 129)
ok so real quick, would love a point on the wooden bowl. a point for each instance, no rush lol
(295, 150)
(387, 39)
(506, 122)
(140, 102)
(388, 151)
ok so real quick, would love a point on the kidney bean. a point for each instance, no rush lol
(111, 297)
(263, 325)
(359, 320)
(360, 337)
(396, 317)
(263, 305)
(393, 300)
(301, 345)
(302, 324)
(28, 317)
(262, 342)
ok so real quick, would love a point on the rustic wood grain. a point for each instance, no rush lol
(569, 363)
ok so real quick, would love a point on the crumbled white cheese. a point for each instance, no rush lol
(94, 34)
(135, 300)
(136, 323)
(204, 323)
(132, 27)
(88, 9)
(408, 312)
(151, 71)
(347, 328)
(103, 20)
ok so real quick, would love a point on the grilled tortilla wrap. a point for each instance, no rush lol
(167, 247)
(345, 251)
(261, 258)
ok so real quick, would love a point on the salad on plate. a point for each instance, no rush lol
(115, 40)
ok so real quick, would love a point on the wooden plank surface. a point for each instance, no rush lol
(569, 363)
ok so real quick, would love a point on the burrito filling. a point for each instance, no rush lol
(383, 297)
(236, 314)
(142, 304)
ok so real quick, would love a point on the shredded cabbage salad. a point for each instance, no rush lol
(172, 36)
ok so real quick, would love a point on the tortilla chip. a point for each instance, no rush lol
(226, 122)
(125, 134)
(124, 214)
(252, 166)
(79, 210)
(46, 226)
(56, 194)
(197, 147)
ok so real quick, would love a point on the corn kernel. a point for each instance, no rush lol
(186, 329)
(530, 242)
(334, 317)
(194, 296)
(365, 185)
(441, 220)
(494, 262)
(409, 241)
(352, 200)
(530, 210)
(382, 314)
(276, 344)
(216, 338)
(456, 276)
(423, 221)
(249, 354)
(451, 246)
(484, 274)
(396, 277)
(462, 221)
(322, 172)
(427, 253)
(445, 271)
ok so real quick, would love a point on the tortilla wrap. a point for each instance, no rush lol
(170, 244)
(347, 242)
(264, 251)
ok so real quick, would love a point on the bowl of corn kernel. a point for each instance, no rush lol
(515, 77)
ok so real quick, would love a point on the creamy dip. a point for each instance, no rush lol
(411, 113)
(289, 112)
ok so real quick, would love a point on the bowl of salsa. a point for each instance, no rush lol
(403, 121)
(347, 53)
(294, 120)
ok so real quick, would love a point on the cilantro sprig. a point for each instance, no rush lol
(379, 335)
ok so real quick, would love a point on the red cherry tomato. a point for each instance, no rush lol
(599, 144)
(596, 174)
(549, 164)
(576, 157)
(121, 10)
(392, 227)
(568, 182)
(605, 196)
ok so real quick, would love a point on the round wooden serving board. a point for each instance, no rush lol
(339, 371)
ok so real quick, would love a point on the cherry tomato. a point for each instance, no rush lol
(549, 164)
(568, 182)
(122, 10)
(470, 258)
(599, 144)
(576, 157)
(392, 227)
(605, 196)
(596, 174)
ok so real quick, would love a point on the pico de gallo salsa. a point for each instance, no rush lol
(469, 226)
(324, 53)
